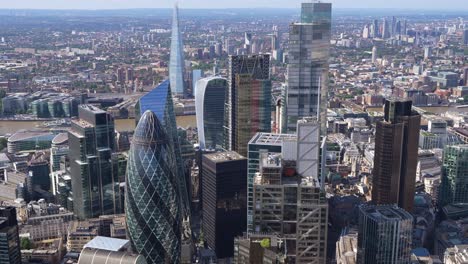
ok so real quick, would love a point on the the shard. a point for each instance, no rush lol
(177, 62)
(153, 207)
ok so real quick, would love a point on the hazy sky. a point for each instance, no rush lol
(118, 4)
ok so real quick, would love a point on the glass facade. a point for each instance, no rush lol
(307, 72)
(177, 61)
(385, 235)
(10, 251)
(95, 181)
(209, 106)
(248, 101)
(152, 204)
(454, 188)
(159, 101)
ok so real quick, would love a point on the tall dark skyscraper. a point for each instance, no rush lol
(152, 204)
(248, 101)
(159, 101)
(385, 235)
(93, 165)
(224, 184)
(209, 107)
(396, 155)
(10, 250)
(307, 76)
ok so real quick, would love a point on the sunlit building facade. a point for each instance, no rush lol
(177, 61)
(248, 102)
(307, 71)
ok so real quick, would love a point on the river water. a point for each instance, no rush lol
(10, 127)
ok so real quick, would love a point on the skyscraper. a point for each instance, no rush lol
(375, 29)
(385, 29)
(152, 204)
(177, 61)
(260, 143)
(93, 165)
(307, 72)
(159, 101)
(209, 107)
(10, 250)
(385, 235)
(454, 175)
(288, 198)
(224, 184)
(374, 54)
(248, 100)
(396, 155)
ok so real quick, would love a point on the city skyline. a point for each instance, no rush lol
(212, 4)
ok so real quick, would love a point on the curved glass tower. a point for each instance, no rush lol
(152, 202)
(209, 107)
(177, 61)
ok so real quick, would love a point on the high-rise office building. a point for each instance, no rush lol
(177, 61)
(159, 101)
(393, 26)
(261, 143)
(10, 250)
(248, 101)
(209, 107)
(465, 36)
(93, 164)
(307, 71)
(196, 75)
(396, 155)
(375, 29)
(385, 235)
(454, 175)
(374, 54)
(385, 29)
(224, 184)
(288, 199)
(153, 205)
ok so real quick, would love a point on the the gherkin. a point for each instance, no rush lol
(152, 203)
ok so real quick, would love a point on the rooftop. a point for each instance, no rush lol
(386, 212)
(224, 156)
(108, 243)
(92, 108)
(23, 135)
(270, 139)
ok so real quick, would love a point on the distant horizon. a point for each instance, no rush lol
(96, 5)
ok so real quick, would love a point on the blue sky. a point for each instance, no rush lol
(121, 4)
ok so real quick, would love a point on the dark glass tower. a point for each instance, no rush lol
(10, 251)
(209, 106)
(385, 235)
(224, 184)
(152, 204)
(396, 155)
(248, 101)
(159, 101)
(95, 183)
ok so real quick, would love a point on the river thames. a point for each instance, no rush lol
(10, 127)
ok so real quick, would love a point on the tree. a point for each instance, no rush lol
(25, 243)
(3, 143)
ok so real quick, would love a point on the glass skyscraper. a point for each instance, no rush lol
(385, 235)
(307, 71)
(152, 204)
(159, 101)
(454, 187)
(93, 164)
(177, 61)
(209, 106)
(248, 100)
(10, 250)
